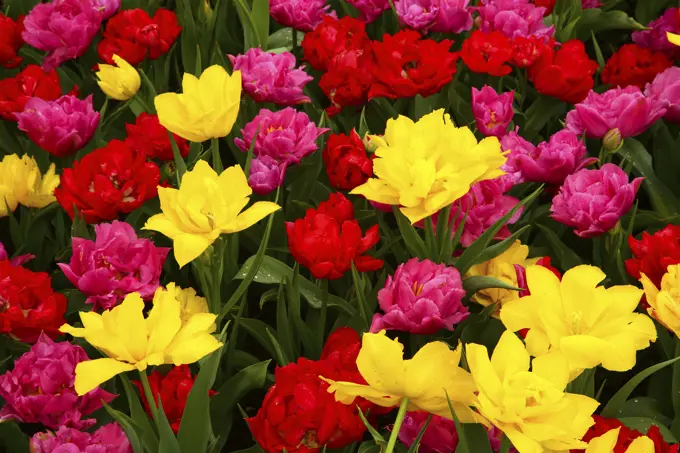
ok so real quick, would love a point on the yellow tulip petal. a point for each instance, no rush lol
(605, 443)
(163, 323)
(509, 356)
(172, 114)
(188, 247)
(163, 225)
(346, 392)
(673, 38)
(129, 314)
(381, 363)
(543, 284)
(192, 350)
(651, 291)
(641, 444)
(552, 367)
(584, 351)
(92, 373)
(429, 375)
(483, 373)
(517, 314)
(522, 443)
(251, 216)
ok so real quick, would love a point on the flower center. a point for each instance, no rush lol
(417, 288)
(309, 439)
(576, 323)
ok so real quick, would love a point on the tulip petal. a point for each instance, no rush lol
(604, 443)
(552, 367)
(651, 291)
(483, 373)
(509, 356)
(673, 38)
(381, 363)
(251, 216)
(163, 323)
(585, 351)
(188, 247)
(521, 442)
(346, 392)
(163, 225)
(91, 373)
(641, 444)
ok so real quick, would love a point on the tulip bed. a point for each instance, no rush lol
(373, 226)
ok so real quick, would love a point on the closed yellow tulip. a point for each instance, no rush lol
(205, 206)
(589, 325)
(424, 166)
(425, 379)
(664, 302)
(22, 183)
(120, 82)
(132, 342)
(673, 38)
(206, 109)
(502, 268)
(530, 407)
(606, 443)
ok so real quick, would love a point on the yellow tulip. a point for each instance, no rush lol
(425, 379)
(664, 303)
(120, 82)
(587, 324)
(205, 206)
(132, 342)
(22, 183)
(206, 109)
(606, 443)
(427, 165)
(530, 407)
(673, 38)
(502, 268)
(190, 304)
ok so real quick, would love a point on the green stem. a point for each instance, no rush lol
(324, 309)
(675, 425)
(218, 269)
(145, 106)
(216, 158)
(149, 396)
(397, 426)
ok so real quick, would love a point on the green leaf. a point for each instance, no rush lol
(594, 20)
(263, 334)
(377, 437)
(188, 37)
(479, 282)
(12, 439)
(195, 428)
(260, 15)
(647, 10)
(128, 426)
(250, 30)
(643, 424)
(147, 433)
(662, 198)
(498, 249)
(543, 110)
(564, 255)
(617, 401)
(273, 271)
(598, 51)
(168, 442)
(476, 438)
(416, 442)
(412, 239)
(369, 447)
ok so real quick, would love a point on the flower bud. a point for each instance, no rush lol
(120, 82)
(612, 140)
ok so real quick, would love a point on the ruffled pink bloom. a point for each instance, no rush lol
(285, 135)
(269, 77)
(666, 87)
(62, 28)
(106, 8)
(18, 261)
(493, 112)
(266, 174)
(655, 38)
(40, 387)
(370, 10)
(626, 109)
(593, 201)
(303, 15)
(422, 297)
(115, 264)
(440, 435)
(60, 127)
(454, 17)
(552, 161)
(446, 16)
(108, 439)
(513, 18)
(516, 145)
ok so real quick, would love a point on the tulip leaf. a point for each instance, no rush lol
(168, 443)
(479, 282)
(369, 447)
(272, 271)
(476, 438)
(642, 424)
(251, 35)
(663, 200)
(595, 20)
(195, 428)
(416, 442)
(617, 401)
(647, 10)
(377, 437)
(564, 255)
(128, 426)
(412, 239)
(260, 13)
(498, 249)
(283, 325)
(540, 113)
(12, 439)
(138, 415)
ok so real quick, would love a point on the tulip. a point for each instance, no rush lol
(424, 166)
(132, 342)
(417, 14)
(530, 407)
(422, 297)
(10, 41)
(205, 206)
(285, 135)
(493, 112)
(655, 36)
(431, 380)
(576, 319)
(303, 15)
(593, 201)
(120, 82)
(608, 441)
(62, 28)
(370, 10)
(501, 268)
(108, 439)
(60, 127)
(454, 17)
(513, 18)
(269, 77)
(22, 183)
(208, 107)
(40, 387)
(666, 87)
(106, 8)
(117, 263)
(664, 302)
(624, 108)
(266, 174)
